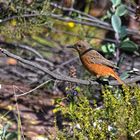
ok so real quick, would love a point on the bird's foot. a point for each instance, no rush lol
(102, 81)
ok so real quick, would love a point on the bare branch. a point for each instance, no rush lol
(94, 19)
(22, 47)
(62, 77)
(96, 23)
(32, 90)
(28, 48)
(52, 74)
(44, 61)
(93, 24)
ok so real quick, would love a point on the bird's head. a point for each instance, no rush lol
(81, 46)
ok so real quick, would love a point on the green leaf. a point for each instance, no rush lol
(78, 89)
(5, 129)
(116, 23)
(123, 32)
(109, 48)
(116, 2)
(104, 48)
(11, 136)
(109, 14)
(125, 75)
(71, 107)
(121, 10)
(40, 40)
(58, 100)
(129, 46)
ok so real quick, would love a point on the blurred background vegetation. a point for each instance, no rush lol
(39, 31)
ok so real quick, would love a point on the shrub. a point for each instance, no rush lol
(117, 118)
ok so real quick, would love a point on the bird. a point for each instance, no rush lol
(94, 62)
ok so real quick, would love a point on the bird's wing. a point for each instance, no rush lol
(97, 58)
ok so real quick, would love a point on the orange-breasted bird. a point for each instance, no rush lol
(94, 62)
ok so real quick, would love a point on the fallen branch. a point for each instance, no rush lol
(62, 77)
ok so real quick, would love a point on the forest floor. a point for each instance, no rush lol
(35, 110)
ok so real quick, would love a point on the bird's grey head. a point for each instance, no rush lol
(81, 46)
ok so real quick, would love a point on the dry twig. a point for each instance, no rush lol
(61, 76)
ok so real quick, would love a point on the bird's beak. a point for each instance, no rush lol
(70, 47)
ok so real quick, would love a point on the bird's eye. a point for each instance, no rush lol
(78, 46)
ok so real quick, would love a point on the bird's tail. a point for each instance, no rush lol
(115, 75)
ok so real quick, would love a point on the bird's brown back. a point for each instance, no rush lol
(96, 58)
